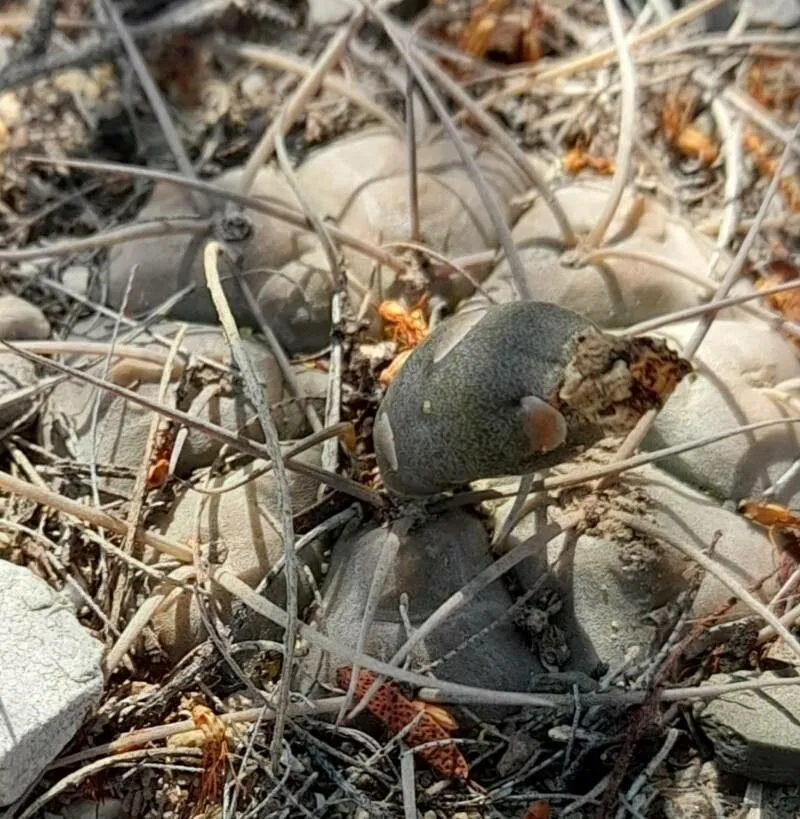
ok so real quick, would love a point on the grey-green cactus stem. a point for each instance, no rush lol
(511, 389)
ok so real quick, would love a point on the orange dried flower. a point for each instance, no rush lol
(538, 810)
(676, 118)
(396, 712)
(577, 160)
(161, 456)
(406, 327)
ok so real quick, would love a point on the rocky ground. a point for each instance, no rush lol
(398, 409)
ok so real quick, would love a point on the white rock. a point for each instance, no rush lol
(241, 528)
(255, 87)
(50, 678)
(614, 292)
(21, 321)
(78, 279)
(736, 363)
(433, 561)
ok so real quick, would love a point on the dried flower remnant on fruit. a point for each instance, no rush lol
(396, 712)
(612, 382)
(407, 328)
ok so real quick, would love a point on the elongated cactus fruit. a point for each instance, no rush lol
(511, 389)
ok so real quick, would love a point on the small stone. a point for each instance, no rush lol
(50, 678)
(21, 321)
(327, 12)
(755, 733)
(254, 86)
(77, 278)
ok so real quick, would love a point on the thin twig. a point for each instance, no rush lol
(285, 62)
(168, 226)
(627, 126)
(232, 439)
(283, 495)
(487, 197)
(156, 102)
(510, 147)
(140, 487)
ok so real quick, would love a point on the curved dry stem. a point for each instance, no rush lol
(443, 691)
(272, 443)
(773, 319)
(731, 134)
(487, 198)
(158, 733)
(706, 320)
(130, 233)
(507, 144)
(76, 777)
(624, 157)
(450, 264)
(88, 514)
(270, 208)
(388, 554)
(702, 309)
(154, 98)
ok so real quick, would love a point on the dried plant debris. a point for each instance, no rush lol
(612, 382)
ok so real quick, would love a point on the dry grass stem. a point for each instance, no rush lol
(284, 499)
(627, 124)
